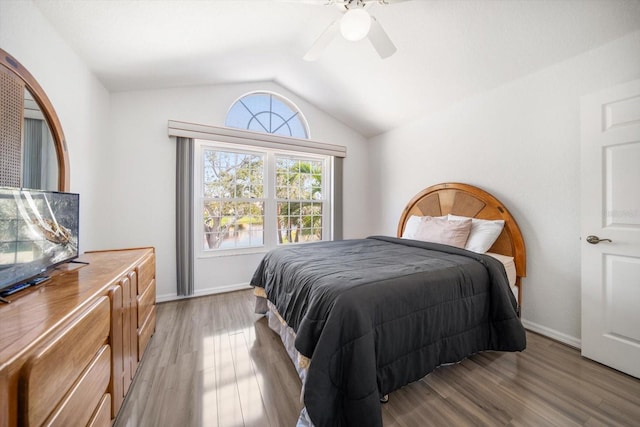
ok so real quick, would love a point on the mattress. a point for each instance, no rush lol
(510, 267)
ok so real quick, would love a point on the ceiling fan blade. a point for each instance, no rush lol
(323, 41)
(380, 40)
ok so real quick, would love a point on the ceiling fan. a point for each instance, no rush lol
(354, 24)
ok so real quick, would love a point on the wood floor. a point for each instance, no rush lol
(212, 362)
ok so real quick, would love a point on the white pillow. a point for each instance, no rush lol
(483, 233)
(412, 225)
(443, 230)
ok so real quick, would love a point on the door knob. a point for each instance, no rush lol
(594, 240)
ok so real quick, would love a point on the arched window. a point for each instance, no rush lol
(269, 113)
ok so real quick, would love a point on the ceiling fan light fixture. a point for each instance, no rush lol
(355, 24)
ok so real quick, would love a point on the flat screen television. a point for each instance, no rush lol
(38, 231)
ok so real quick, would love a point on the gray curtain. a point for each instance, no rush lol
(184, 215)
(32, 154)
(337, 198)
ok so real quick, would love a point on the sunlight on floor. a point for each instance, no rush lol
(232, 386)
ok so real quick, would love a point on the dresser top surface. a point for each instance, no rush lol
(36, 311)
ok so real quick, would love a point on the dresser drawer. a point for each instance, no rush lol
(84, 398)
(4, 398)
(102, 416)
(145, 332)
(146, 272)
(50, 373)
(145, 302)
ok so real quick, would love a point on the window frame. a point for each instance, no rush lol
(270, 239)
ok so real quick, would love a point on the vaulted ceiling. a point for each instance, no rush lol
(447, 49)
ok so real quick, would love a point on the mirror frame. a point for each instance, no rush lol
(49, 113)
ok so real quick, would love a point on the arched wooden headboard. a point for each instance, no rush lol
(467, 200)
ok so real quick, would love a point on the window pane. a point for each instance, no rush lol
(300, 199)
(233, 224)
(268, 113)
(231, 175)
(299, 222)
(301, 178)
(233, 190)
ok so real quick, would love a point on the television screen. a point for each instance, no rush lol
(38, 230)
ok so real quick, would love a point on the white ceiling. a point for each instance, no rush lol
(447, 49)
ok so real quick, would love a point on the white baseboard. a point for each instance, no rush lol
(553, 334)
(168, 297)
(221, 290)
(203, 292)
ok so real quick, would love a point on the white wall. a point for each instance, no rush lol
(81, 102)
(139, 185)
(520, 142)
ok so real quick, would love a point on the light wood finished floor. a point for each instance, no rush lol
(212, 362)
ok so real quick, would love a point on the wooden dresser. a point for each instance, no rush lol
(70, 347)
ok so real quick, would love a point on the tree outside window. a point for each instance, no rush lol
(299, 199)
(233, 199)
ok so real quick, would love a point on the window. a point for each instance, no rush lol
(242, 193)
(269, 113)
(259, 198)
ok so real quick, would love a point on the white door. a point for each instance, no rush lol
(610, 181)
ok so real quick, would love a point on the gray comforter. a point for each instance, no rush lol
(378, 313)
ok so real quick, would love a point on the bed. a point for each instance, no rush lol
(363, 317)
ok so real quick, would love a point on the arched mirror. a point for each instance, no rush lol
(33, 151)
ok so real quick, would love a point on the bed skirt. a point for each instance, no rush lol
(288, 338)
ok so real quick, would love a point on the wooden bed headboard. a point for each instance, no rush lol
(470, 201)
